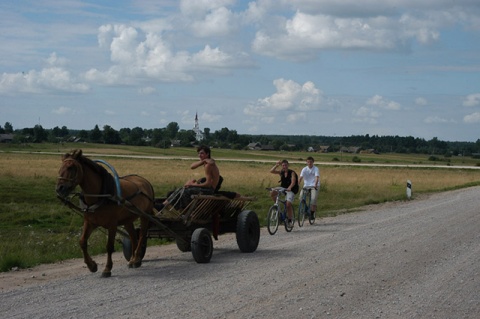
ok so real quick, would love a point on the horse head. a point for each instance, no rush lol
(70, 173)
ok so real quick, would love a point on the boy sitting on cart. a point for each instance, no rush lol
(208, 185)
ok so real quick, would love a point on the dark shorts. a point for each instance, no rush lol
(183, 196)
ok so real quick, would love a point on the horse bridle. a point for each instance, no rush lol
(85, 208)
(78, 167)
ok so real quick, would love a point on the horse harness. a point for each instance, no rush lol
(110, 193)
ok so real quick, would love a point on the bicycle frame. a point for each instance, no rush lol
(304, 206)
(278, 212)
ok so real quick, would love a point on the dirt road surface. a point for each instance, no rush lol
(413, 259)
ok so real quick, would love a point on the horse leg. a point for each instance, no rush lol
(87, 231)
(139, 248)
(112, 231)
(129, 227)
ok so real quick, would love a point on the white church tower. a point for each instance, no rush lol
(196, 130)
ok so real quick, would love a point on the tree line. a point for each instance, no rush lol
(172, 135)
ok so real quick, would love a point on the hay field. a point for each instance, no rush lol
(36, 228)
(343, 187)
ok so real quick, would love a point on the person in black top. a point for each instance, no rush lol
(288, 180)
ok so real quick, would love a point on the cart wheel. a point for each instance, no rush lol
(127, 246)
(184, 245)
(202, 245)
(248, 231)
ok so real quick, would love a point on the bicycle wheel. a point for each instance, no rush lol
(311, 217)
(272, 220)
(288, 227)
(301, 212)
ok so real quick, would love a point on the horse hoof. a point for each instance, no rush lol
(93, 268)
(134, 264)
(106, 274)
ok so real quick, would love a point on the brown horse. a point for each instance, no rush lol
(104, 204)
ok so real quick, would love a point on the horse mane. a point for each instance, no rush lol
(108, 182)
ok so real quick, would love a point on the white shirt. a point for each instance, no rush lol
(309, 175)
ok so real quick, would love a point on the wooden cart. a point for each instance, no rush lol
(205, 216)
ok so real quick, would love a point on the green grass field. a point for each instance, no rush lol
(36, 228)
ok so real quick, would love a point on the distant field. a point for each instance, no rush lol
(36, 228)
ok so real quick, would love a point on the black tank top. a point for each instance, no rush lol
(285, 181)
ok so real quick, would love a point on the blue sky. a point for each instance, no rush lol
(314, 67)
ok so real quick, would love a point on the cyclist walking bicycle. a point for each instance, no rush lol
(289, 181)
(310, 175)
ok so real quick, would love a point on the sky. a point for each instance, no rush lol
(290, 67)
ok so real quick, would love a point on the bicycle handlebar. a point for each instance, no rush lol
(278, 189)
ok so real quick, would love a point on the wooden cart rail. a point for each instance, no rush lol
(205, 216)
(203, 207)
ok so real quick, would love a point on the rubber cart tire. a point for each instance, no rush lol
(127, 246)
(202, 245)
(248, 231)
(184, 245)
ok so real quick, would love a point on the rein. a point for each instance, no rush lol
(104, 198)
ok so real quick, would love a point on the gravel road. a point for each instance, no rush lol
(413, 259)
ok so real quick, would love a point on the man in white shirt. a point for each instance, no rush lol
(311, 178)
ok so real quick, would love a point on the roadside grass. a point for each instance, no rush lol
(36, 228)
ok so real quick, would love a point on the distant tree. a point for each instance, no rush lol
(222, 135)
(8, 128)
(110, 135)
(172, 129)
(157, 136)
(206, 133)
(165, 143)
(277, 144)
(125, 135)
(83, 134)
(56, 131)
(39, 134)
(27, 132)
(136, 136)
(186, 137)
(64, 131)
(232, 136)
(95, 135)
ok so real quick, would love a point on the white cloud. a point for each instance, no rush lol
(366, 114)
(49, 79)
(371, 25)
(137, 54)
(199, 8)
(290, 96)
(214, 58)
(296, 117)
(147, 90)
(217, 23)
(421, 101)
(472, 100)
(472, 118)
(209, 117)
(62, 110)
(435, 119)
(383, 103)
(54, 60)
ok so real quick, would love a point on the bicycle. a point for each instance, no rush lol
(275, 214)
(304, 207)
